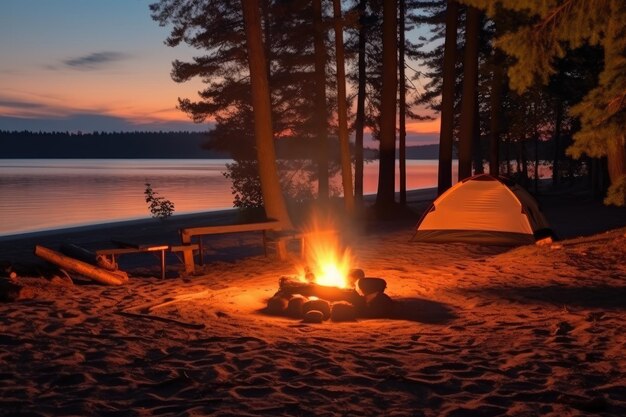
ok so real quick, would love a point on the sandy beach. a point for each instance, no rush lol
(475, 330)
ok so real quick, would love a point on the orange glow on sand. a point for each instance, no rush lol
(326, 262)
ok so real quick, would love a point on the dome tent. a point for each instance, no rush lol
(484, 209)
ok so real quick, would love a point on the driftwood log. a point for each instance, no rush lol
(90, 271)
(82, 254)
(288, 287)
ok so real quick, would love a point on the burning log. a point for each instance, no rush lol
(315, 303)
(288, 287)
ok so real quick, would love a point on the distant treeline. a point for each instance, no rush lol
(150, 145)
(122, 145)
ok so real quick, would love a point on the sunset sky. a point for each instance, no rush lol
(70, 65)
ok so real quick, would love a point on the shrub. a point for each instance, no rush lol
(160, 207)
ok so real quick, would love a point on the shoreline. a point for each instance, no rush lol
(570, 215)
(416, 195)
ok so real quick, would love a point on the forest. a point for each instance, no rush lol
(506, 77)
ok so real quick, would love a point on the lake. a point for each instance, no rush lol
(43, 194)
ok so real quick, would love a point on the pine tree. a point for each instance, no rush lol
(557, 27)
(215, 29)
(385, 197)
(266, 156)
(342, 111)
(446, 133)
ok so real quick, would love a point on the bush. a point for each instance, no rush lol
(160, 207)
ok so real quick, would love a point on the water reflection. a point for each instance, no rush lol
(43, 194)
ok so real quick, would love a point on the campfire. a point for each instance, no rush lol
(327, 286)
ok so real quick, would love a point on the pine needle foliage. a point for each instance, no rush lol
(555, 28)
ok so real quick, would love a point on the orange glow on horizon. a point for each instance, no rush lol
(426, 126)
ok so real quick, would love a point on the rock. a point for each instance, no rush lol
(313, 316)
(380, 305)
(277, 305)
(342, 311)
(367, 286)
(294, 309)
(354, 275)
(320, 305)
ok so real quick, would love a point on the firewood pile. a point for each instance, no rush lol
(314, 303)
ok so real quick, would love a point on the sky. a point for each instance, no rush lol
(98, 65)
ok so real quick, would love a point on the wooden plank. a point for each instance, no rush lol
(181, 248)
(136, 248)
(188, 233)
(140, 246)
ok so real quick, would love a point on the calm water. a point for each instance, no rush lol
(38, 194)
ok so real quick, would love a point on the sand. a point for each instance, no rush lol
(476, 331)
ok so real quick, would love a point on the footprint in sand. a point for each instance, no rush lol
(252, 392)
(563, 328)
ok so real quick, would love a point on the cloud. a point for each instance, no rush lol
(94, 60)
(21, 104)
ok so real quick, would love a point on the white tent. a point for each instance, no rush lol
(483, 209)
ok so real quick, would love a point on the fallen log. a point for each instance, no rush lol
(97, 274)
(84, 255)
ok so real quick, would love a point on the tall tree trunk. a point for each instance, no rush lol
(321, 119)
(477, 146)
(402, 104)
(267, 38)
(386, 173)
(536, 143)
(507, 156)
(557, 142)
(496, 111)
(446, 133)
(342, 111)
(616, 157)
(524, 157)
(360, 110)
(470, 90)
(272, 196)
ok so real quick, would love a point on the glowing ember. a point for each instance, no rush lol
(326, 263)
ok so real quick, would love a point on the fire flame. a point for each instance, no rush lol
(326, 262)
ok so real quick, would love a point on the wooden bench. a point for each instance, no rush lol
(127, 247)
(278, 240)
